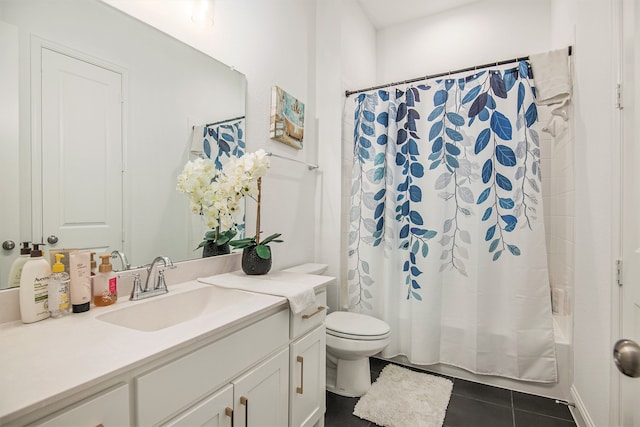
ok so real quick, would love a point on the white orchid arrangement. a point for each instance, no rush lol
(216, 194)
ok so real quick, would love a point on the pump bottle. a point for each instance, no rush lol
(34, 292)
(16, 267)
(59, 298)
(105, 283)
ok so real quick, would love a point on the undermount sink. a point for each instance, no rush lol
(174, 308)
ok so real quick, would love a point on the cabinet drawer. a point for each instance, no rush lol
(311, 317)
(173, 387)
(110, 408)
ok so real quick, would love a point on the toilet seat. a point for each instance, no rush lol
(355, 326)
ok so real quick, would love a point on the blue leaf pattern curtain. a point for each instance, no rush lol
(446, 240)
(223, 141)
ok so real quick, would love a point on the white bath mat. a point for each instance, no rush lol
(402, 398)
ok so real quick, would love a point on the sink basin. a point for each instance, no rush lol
(174, 308)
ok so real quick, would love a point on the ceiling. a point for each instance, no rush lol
(385, 13)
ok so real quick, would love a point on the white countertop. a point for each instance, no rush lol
(46, 361)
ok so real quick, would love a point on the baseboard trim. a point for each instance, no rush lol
(580, 413)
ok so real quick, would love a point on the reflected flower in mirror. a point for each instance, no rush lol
(214, 197)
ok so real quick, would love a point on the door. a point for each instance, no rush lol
(307, 379)
(9, 144)
(81, 154)
(630, 290)
(261, 396)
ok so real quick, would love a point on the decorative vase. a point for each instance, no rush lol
(252, 264)
(213, 250)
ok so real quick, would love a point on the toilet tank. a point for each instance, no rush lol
(309, 268)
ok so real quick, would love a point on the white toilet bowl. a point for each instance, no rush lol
(351, 339)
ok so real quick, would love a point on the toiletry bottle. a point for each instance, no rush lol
(105, 283)
(59, 298)
(34, 290)
(16, 267)
(79, 270)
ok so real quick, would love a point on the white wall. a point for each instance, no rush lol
(475, 34)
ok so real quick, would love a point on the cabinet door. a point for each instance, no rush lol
(261, 395)
(110, 408)
(214, 411)
(307, 384)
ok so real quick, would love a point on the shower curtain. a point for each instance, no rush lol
(446, 240)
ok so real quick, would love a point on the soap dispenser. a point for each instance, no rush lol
(34, 282)
(16, 267)
(59, 298)
(105, 283)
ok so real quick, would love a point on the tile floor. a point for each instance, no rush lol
(471, 405)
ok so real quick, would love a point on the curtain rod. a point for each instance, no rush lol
(221, 122)
(432, 76)
(309, 165)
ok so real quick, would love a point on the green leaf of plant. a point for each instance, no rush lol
(263, 251)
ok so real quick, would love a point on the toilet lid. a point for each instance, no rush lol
(344, 323)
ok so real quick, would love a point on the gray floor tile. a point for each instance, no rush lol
(529, 419)
(540, 405)
(485, 393)
(466, 412)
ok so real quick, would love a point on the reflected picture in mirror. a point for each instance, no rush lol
(100, 116)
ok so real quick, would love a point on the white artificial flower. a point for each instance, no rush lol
(216, 194)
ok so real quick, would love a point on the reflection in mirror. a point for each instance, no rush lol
(98, 121)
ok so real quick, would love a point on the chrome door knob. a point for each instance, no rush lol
(8, 245)
(52, 240)
(626, 355)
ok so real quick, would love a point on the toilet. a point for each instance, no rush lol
(351, 339)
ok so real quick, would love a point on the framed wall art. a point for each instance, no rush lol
(287, 118)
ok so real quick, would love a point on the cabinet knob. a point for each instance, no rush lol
(8, 245)
(52, 240)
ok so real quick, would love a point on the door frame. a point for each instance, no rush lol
(38, 43)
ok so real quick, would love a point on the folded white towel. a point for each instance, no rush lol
(551, 76)
(197, 140)
(301, 295)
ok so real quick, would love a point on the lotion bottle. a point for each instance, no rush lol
(34, 292)
(16, 267)
(80, 270)
(59, 298)
(105, 283)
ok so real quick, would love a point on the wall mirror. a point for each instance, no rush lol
(95, 127)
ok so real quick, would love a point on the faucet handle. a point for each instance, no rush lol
(136, 290)
(161, 282)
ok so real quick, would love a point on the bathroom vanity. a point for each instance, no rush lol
(243, 359)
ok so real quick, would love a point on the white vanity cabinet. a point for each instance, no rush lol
(179, 386)
(108, 408)
(307, 364)
(258, 398)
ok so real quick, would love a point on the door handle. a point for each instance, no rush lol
(626, 355)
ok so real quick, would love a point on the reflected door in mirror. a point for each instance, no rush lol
(81, 153)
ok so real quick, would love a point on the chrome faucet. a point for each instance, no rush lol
(152, 286)
(123, 259)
